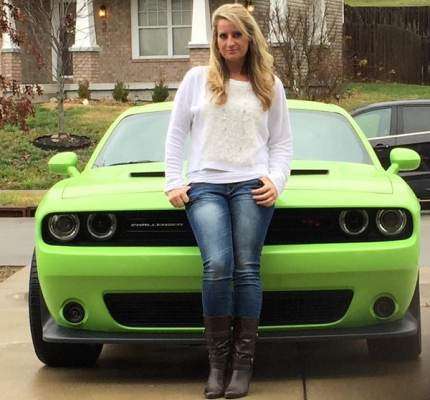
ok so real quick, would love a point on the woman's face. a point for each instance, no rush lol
(232, 44)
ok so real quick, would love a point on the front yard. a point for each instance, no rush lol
(24, 166)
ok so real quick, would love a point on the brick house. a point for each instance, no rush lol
(135, 40)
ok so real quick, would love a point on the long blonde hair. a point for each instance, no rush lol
(258, 62)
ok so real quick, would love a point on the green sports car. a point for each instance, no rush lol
(114, 262)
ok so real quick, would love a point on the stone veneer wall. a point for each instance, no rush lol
(199, 57)
(31, 72)
(86, 66)
(11, 65)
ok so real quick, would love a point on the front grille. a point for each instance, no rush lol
(185, 310)
(171, 228)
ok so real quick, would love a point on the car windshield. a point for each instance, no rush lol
(317, 135)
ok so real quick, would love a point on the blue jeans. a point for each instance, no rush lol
(230, 229)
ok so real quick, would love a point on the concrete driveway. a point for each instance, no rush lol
(313, 371)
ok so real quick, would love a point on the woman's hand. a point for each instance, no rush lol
(267, 194)
(178, 197)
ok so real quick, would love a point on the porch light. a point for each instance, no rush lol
(102, 12)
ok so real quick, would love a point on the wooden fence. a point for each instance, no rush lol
(388, 43)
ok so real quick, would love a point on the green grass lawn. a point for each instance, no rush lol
(24, 166)
(387, 3)
(361, 94)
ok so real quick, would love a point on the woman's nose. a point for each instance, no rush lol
(230, 41)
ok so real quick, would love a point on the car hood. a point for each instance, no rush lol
(306, 176)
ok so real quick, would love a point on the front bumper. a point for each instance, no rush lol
(367, 269)
(405, 327)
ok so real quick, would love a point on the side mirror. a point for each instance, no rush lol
(64, 164)
(403, 160)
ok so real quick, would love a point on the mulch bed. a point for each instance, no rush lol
(7, 271)
(62, 142)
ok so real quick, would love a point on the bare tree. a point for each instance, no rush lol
(50, 24)
(15, 99)
(307, 59)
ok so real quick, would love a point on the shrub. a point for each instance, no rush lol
(16, 103)
(120, 92)
(307, 56)
(84, 90)
(161, 92)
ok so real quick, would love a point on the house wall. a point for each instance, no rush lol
(32, 64)
(114, 60)
(36, 62)
(334, 18)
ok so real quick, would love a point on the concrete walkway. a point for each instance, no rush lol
(16, 240)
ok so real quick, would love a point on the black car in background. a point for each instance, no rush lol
(404, 123)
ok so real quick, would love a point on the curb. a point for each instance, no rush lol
(13, 212)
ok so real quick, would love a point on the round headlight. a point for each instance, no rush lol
(391, 222)
(64, 227)
(353, 222)
(101, 226)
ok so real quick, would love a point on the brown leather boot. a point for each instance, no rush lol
(244, 339)
(218, 342)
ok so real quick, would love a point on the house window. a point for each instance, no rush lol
(278, 8)
(161, 28)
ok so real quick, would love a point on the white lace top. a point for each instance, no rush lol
(230, 134)
(230, 143)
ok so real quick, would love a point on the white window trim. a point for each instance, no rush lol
(135, 35)
(283, 9)
(321, 28)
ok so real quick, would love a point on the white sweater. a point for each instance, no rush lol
(230, 143)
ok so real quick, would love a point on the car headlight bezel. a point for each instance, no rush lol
(112, 229)
(380, 225)
(343, 225)
(53, 219)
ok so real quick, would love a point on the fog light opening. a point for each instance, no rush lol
(73, 312)
(384, 307)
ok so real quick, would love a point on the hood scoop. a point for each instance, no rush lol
(309, 172)
(154, 174)
(160, 174)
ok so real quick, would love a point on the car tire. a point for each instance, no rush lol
(402, 348)
(54, 354)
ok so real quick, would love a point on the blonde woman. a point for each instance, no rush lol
(236, 114)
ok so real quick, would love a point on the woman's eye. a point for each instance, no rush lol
(237, 34)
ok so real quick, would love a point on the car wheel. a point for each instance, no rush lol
(403, 348)
(54, 354)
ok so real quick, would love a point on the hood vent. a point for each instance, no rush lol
(309, 172)
(157, 174)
